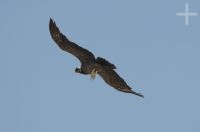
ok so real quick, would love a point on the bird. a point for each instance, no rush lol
(90, 65)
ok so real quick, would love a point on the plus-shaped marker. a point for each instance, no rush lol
(186, 14)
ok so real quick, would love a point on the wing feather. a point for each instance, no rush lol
(65, 44)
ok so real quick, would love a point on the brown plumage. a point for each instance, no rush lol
(90, 64)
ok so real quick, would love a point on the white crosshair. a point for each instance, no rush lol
(186, 14)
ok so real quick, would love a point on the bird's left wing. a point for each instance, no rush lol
(65, 44)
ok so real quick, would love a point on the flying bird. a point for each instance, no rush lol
(89, 64)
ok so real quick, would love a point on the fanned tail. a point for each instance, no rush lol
(104, 62)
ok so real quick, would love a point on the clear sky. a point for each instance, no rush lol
(153, 49)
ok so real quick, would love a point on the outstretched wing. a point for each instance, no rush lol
(65, 44)
(113, 79)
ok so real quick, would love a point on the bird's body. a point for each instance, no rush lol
(90, 64)
(87, 67)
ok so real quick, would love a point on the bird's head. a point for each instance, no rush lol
(78, 70)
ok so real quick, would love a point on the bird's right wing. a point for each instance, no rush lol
(110, 76)
(61, 40)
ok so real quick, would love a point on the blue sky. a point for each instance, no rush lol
(153, 49)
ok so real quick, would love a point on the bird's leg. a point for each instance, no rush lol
(93, 74)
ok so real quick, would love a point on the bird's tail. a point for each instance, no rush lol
(103, 61)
